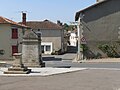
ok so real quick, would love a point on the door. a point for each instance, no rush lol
(14, 49)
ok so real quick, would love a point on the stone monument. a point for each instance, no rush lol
(31, 53)
(18, 66)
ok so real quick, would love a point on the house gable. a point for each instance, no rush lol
(102, 21)
(101, 24)
(97, 6)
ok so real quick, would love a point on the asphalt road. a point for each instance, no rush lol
(81, 80)
(66, 61)
(90, 79)
(82, 65)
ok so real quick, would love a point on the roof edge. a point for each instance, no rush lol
(81, 11)
(8, 21)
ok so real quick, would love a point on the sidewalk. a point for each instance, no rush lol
(103, 60)
(43, 71)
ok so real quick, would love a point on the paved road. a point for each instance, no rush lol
(82, 65)
(66, 61)
(81, 80)
(91, 79)
(67, 56)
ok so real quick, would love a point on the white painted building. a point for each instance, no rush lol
(73, 39)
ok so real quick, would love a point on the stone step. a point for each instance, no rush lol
(18, 72)
(17, 69)
(2, 64)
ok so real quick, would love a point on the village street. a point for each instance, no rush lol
(81, 80)
(67, 60)
(60, 45)
(96, 76)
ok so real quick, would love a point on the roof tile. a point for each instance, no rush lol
(46, 24)
(8, 21)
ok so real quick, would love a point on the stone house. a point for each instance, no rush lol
(10, 38)
(52, 36)
(101, 26)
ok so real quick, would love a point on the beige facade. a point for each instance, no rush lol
(55, 39)
(52, 34)
(6, 40)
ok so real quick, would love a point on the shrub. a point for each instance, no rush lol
(110, 50)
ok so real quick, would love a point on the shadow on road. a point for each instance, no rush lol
(51, 59)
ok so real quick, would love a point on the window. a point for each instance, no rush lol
(2, 52)
(14, 49)
(14, 33)
(42, 49)
(47, 48)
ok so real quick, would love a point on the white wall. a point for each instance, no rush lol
(73, 40)
(45, 44)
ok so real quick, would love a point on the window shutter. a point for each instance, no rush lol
(14, 49)
(14, 33)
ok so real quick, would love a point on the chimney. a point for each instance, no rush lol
(59, 23)
(24, 18)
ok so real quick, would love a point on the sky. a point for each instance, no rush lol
(39, 10)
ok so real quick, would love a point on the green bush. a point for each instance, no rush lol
(110, 50)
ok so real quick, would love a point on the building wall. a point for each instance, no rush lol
(6, 40)
(103, 22)
(73, 40)
(19, 40)
(54, 36)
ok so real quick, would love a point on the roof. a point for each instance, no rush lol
(94, 5)
(46, 24)
(29, 34)
(8, 21)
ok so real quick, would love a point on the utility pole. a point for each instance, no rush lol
(79, 30)
(79, 36)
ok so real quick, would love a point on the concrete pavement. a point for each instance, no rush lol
(80, 80)
(110, 60)
(42, 71)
